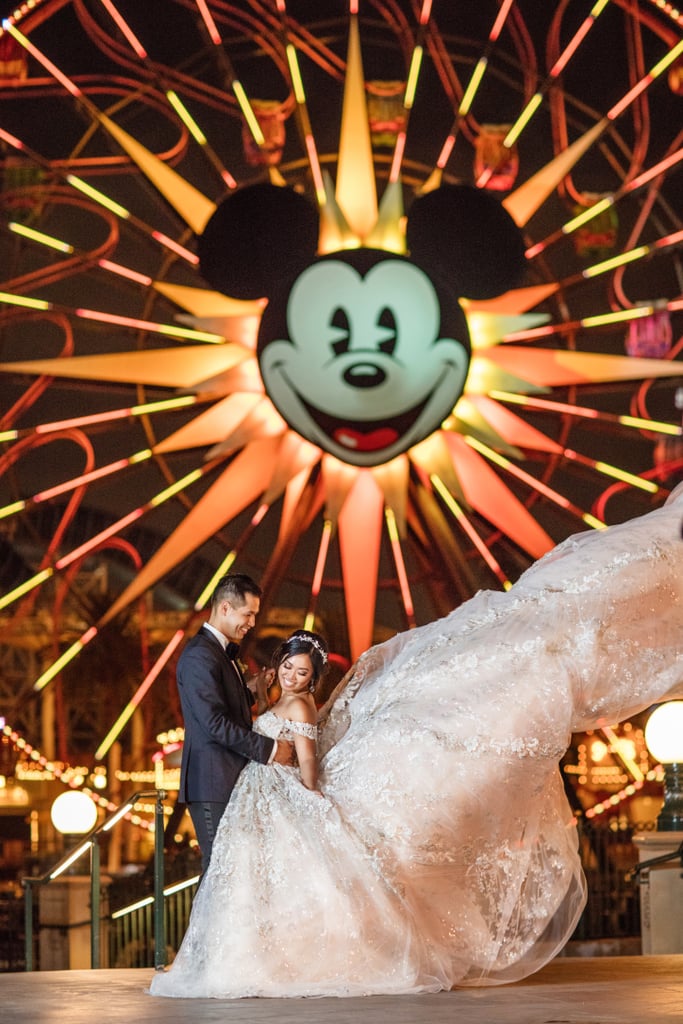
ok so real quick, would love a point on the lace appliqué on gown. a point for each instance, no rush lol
(289, 884)
(443, 851)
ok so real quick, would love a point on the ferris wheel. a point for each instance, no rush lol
(208, 210)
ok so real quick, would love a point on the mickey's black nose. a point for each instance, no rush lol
(364, 375)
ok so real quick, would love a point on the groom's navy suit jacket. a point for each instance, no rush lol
(217, 717)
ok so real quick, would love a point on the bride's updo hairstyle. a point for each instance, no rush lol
(304, 642)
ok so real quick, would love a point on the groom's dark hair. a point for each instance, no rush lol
(234, 588)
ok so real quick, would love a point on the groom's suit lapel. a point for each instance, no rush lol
(231, 675)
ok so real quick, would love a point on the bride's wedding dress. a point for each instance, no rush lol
(443, 851)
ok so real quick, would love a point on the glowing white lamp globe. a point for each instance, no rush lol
(664, 732)
(73, 813)
(664, 739)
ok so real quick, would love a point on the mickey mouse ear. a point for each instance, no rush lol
(466, 234)
(255, 235)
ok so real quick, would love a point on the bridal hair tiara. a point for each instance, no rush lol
(313, 641)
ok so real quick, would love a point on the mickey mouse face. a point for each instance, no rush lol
(363, 355)
(363, 352)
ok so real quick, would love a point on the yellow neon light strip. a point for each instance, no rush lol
(169, 330)
(11, 510)
(523, 120)
(40, 237)
(186, 117)
(399, 562)
(23, 300)
(413, 75)
(295, 73)
(613, 472)
(98, 197)
(617, 261)
(645, 81)
(316, 582)
(179, 485)
(561, 62)
(587, 214)
(115, 414)
(25, 587)
(247, 110)
(618, 317)
(656, 426)
(70, 86)
(473, 85)
(86, 478)
(139, 694)
(532, 482)
(606, 202)
(464, 522)
(208, 590)
(64, 659)
(200, 603)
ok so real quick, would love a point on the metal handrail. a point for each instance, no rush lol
(91, 842)
(645, 865)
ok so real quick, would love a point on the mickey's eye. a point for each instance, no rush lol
(387, 321)
(339, 321)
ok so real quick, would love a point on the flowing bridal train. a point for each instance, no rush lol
(443, 850)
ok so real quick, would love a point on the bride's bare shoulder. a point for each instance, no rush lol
(297, 709)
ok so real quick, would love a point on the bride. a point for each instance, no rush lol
(435, 847)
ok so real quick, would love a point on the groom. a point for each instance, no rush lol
(216, 705)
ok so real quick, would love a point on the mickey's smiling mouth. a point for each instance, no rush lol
(365, 435)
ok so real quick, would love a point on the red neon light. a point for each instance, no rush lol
(131, 275)
(425, 12)
(113, 318)
(209, 22)
(403, 579)
(659, 168)
(94, 541)
(125, 29)
(571, 48)
(446, 151)
(500, 20)
(631, 95)
(86, 478)
(672, 239)
(321, 560)
(156, 668)
(48, 65)
(81, 421)
(315, 166)
(228, 179)
(11, 139)
(398, 157)
(259, 514)
(159, 236)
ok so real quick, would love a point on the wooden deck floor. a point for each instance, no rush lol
(600, 990)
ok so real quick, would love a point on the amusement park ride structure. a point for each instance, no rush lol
(164, 168)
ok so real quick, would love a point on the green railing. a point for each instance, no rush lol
(131, 928)
(90, 842)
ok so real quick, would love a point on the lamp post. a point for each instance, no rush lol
(660, 872)
(664, 740)
(65, 909)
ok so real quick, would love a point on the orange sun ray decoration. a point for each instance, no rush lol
(379, 387)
